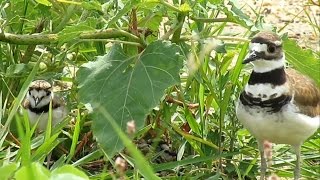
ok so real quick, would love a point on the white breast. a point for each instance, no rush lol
(285, 127)
(258, 90)
(58, 114)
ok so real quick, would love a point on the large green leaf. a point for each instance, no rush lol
(34, 171)
(68, 172)
(304, 61)
(128, 87)
(7, 170)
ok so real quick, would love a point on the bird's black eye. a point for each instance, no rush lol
(30, 93)
(271, 48)
(48, 93)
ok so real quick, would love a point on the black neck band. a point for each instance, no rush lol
(273, 105)
(43, 109)
(274, 77)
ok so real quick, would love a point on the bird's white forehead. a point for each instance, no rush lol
(39, 94)
(258, 47)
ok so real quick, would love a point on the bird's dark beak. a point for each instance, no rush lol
(37, 101)
(252, 56)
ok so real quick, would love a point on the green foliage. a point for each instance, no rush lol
(33, 171)
(6, 171)
(138, 161)
(116, 82)
(38, 172)
(304, 61)
(174, 69)
(236, 15)
(71, 33)
(68, 172)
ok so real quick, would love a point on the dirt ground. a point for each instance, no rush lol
(292, 15)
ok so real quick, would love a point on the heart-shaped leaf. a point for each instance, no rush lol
(128, 87)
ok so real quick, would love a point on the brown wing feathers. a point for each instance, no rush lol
(306, 93)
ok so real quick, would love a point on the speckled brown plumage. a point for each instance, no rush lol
(266, 36)
(306, 93)
(40, 84)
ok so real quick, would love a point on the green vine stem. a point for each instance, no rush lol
(34, 39)
(210, 20)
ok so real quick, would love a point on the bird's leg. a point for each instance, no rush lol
(49, 159)
(297, 149)
(267, 147)
(263, 166)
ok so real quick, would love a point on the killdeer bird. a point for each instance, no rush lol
(37, 103)
(277, 105)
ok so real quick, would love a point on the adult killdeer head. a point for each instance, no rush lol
(277, 105)
(37, 103)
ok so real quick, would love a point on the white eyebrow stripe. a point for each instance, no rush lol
(278, 43)
(258, 47)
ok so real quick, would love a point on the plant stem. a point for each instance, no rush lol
(34, 39)
(225, 38)
(30, 49)
(65, 19)
(190, 136)
(210, 20)
(112, 41)
(170, 6)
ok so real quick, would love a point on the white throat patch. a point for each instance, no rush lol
(261, 66)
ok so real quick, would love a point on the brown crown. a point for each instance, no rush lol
(267, 37)
(40, 84)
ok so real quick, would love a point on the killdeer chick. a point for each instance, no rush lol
(277, 105)
(37, 103)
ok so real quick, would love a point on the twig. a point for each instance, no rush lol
(14, 139)
(314, 3)
(170, 99)
(83, 142)
(31, 48)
